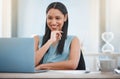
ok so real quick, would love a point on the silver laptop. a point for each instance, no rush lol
(17, 55)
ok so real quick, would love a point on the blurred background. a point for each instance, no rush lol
(88, 19)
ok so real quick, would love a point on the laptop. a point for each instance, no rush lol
(17, 55)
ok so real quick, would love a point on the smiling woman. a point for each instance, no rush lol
(57, 51)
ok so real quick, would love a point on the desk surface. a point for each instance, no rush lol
(61, 74)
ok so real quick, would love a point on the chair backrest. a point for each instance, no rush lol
(81, 64)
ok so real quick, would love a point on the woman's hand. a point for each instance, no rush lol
(42, 67)
(56, 35)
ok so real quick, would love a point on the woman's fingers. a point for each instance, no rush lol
(56, 35)
(41, 67)
(37, 68)
(59, 35)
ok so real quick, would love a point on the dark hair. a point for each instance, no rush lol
(61, 7)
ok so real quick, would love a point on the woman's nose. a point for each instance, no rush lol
(53, 22)
(54, 25)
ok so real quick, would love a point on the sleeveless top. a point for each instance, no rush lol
(51, 55)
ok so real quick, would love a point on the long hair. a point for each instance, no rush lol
(61, 7)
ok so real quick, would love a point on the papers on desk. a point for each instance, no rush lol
(117, 71)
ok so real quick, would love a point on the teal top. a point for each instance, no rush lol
(51, 56)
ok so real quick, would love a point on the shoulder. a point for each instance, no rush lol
(75, 39)
(37, 37)
(75, 44)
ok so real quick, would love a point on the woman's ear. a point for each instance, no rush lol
(66, 16)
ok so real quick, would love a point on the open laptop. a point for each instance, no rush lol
(17, 55)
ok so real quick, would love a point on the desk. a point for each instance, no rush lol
(62, 74)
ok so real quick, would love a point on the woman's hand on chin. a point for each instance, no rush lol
(56, 35)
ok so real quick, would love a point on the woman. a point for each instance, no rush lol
(55, 50)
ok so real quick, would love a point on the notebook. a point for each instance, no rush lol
(17, 55)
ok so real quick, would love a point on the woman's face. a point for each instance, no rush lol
(55, 19)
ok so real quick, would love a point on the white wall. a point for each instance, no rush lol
(0, 18)
(6, 18)
(113, 21)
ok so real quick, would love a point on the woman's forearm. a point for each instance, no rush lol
(41, 51)
(64, 65)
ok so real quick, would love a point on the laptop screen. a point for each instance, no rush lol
(16, 54)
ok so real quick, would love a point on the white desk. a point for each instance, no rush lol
(62, 74)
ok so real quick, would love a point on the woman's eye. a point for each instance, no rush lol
(58, 18)
(49, 17)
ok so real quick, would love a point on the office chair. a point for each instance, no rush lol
(81, 64)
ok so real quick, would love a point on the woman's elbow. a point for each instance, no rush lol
(73, 66)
